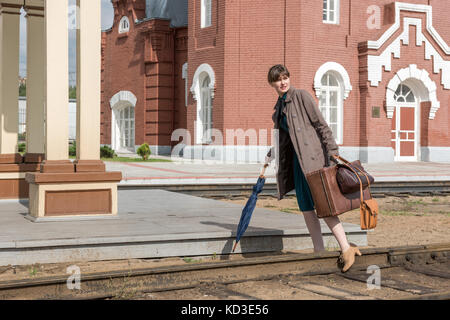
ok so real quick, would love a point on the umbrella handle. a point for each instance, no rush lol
(263, 170)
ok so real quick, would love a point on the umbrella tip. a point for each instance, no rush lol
(234, 248)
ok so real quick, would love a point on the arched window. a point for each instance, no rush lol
(202, 90)
(330, 104)
(124, 25)
(404, 94)
(206, 109)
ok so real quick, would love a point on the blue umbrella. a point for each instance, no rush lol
(249, 207)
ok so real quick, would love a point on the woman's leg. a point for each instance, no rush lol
(313, 225)
(336, 227)
(306, 205)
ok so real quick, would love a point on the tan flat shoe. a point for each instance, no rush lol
(348, 257)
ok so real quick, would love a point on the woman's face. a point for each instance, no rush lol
(282, 85)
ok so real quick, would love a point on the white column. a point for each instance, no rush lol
(35, 75)
(9, 74)
(56, 80)
(88, 79)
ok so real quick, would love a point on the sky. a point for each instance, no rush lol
(107, 19)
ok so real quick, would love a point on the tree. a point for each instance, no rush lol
(23, 90)
(72, 92)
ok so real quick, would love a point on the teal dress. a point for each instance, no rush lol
(304, 198)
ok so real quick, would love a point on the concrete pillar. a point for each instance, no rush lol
(9, 73)
(35, 85)
(61, 190)
(56, 87)
(12, 168)
(88, 86)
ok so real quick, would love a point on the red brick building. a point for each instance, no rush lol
(380, 72)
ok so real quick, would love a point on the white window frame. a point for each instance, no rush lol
(184, 75)
(340, 106)
(119, 101)
(341, 75)
(206, 13)
(327, 11)
(123, 29)
(206, 110)
(200, 74)
(126, 125)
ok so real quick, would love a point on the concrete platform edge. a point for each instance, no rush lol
(24, 254)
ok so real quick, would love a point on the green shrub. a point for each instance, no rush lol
(22, 136)
(22, 147)
(107, 152)
(73, 149)
(144, 151)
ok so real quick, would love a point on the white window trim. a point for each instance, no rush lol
(131, 128)
(425, 90)
(121, 29)
(343, 79)
(204, 23)
(338, 69)
(184, 75)
(336, 13)
(118, 101)
(207, 109)
(340, 109)
(200, 73)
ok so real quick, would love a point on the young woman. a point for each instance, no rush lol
(305, 144)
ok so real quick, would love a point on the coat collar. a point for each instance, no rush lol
(289, 95)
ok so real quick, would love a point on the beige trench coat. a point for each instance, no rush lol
(312, 140)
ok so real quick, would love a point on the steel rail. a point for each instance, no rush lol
(122, 283)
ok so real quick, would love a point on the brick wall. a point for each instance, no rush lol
(248, 37)
(146, 61)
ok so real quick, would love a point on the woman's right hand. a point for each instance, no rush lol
(270, 156)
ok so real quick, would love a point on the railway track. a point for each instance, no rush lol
(414, 272)
(378, 189)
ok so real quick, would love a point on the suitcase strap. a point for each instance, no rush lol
(325, 191)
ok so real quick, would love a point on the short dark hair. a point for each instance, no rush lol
(276, 72)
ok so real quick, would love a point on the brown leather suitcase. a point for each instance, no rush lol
(328, 198)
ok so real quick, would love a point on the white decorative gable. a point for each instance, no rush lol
(423, 86)
(377, 62)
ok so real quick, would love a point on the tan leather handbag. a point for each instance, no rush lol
(369, 214)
